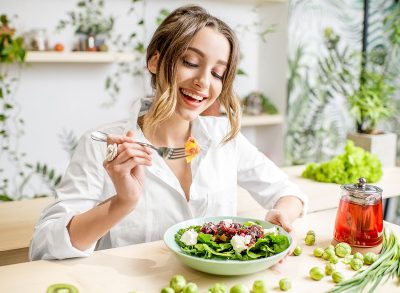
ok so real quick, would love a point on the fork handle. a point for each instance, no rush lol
(102, 136)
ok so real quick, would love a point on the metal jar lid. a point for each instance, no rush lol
(361, 189)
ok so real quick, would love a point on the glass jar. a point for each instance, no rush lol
(359, 219)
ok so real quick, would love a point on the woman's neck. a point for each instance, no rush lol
(173, 132)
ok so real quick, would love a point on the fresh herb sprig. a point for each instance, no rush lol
(387, 266)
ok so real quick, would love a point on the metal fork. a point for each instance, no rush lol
(165, 152)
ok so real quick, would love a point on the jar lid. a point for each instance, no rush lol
(361, 188)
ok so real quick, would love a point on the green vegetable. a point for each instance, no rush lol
(240, 288)
(285, 284)
(356, 264)
(310, 239)
(207, 247)
(259, 286)
(370, 258)
(328, 253)
(337, 277)
(347, 167)
(167, 290)
(178, 282)
(359, 256)
(347, 259)
(318, 252)
(334, 259)
(342, 249)
(316, 273)
(329, 269)
(385, 267)
(218, 288)
(311, 232)
(297, 251)
(66, 288)
(190, 288)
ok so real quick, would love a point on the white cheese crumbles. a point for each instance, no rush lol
(239, 243)
(189, 237)
(272, 230)
(228, 222)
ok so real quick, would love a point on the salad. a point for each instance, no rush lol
(234, 241)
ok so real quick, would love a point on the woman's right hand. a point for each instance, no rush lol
(126, 170)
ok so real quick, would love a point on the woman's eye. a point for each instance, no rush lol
(221, 77)
(189, 64)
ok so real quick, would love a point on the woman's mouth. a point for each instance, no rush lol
(192, 98)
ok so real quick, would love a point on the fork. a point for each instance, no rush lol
(165, 152)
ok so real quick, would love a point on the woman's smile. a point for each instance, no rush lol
(193, 98)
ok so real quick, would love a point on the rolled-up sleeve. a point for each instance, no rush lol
(80, 190)
(265, 181)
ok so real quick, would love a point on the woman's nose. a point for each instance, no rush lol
(202, 80)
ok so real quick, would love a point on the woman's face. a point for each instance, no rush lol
(200, 72)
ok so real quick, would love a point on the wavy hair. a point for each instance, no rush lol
(170, 41)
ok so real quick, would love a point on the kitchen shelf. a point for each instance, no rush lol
(78, 57)
(262, 120)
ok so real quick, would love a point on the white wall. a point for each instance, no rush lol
(57, 97)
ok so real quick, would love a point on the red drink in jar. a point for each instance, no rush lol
(359, 219)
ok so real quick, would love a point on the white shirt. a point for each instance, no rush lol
(216, 172)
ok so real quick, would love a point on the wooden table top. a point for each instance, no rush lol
(148, 267)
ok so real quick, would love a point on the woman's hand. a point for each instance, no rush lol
(126, 170)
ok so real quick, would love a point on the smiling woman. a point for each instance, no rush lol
(137, 195)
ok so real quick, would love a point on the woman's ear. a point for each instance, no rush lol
(153, 62)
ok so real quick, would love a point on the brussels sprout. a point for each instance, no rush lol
(297, 251)
(310, 240)
(190, 288)
(318, 252)
(347, 259)
(337, 277)
(331, 247)
(316, 273)
(285, 284)
(259, 286)
(328, 253)
(356, 264)
(167, 290)
(359, 256)
(62, 287)
(239, 289)
(370, 258)
(218, 288)
(334, 259)
(311, 232)
(342, 249)
(329, 269)
(177, 283)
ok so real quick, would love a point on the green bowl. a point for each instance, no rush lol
(222, 267)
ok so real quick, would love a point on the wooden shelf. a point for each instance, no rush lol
(262, 120)
(78, 57)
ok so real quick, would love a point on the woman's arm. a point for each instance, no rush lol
(127, 175)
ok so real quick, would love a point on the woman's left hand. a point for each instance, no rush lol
(280, 218)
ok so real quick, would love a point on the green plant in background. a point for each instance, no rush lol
(347, 167)
(372, 102)
(19, 173)
(89, 19)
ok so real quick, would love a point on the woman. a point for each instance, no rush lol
(137, 195)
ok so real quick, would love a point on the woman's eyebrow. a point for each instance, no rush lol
(202, 55)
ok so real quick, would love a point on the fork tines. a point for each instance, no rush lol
(176, 153)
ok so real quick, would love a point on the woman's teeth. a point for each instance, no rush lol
(196, 97)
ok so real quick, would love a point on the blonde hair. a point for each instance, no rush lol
(170, 41)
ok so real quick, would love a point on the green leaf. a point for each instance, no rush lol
(4, 197)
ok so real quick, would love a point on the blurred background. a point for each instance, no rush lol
(311, 73)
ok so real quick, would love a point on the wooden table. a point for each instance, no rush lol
(17, 221)
(18, 218)
(148, 267)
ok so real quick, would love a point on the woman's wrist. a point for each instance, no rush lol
(292, 206)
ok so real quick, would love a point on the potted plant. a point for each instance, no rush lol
(373, 101)
(90, 23)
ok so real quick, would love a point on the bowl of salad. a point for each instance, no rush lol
(228, 245)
